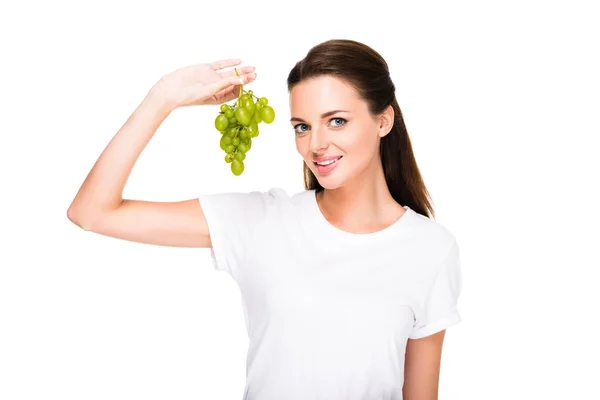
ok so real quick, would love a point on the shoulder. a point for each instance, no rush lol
(279, 196)
(432, 238)
(284, 204)
(271, 195)
(273, 199)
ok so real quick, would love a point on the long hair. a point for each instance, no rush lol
(366, 70)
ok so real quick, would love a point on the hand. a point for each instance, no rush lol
(202, 84)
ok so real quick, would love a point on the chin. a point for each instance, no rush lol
(329, 182)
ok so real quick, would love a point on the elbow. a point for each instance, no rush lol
(76, 217)
(88, 217)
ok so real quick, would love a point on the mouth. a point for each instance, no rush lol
(324, 167)
(327, 162)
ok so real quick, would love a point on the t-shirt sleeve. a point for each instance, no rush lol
(440, 308)
(233, 220)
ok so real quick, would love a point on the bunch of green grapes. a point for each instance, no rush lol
(238, 125)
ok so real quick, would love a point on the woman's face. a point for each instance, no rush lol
(333, 127)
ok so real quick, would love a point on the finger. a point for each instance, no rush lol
(225, 83)
(227, 94)
(232, 92)
(232, 81)
(240, 71)
(217, 65)
(249, 78)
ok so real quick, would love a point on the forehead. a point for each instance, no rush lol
(317, 95)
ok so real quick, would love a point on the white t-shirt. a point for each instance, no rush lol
(328, 312)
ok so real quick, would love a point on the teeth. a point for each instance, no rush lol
(327, 162)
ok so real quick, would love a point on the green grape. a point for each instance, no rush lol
(264, 101)
(237, 167)
(267, 114)
(230, 148)
(233, 120)
(243, 147)
(224, 108)
(243, 116)
(235, 141)
(225, 141)
(231, 131)
(240, 156)
(229, 157)
(258, 105)
(257, 117)
(253, 129)
(248, 145)
(244, 133)
(221, 122)
(229, 113)
(248, 104)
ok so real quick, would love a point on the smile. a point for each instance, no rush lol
(328, 162)
(325, 167)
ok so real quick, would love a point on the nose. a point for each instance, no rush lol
(318, 140)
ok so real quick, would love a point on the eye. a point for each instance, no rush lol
(338, 122)
(300, 128)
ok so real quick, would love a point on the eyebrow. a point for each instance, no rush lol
(324, 115)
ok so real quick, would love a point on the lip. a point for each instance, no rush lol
(324, 170)
(326, 158)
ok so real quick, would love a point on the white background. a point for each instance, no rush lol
(501, 103)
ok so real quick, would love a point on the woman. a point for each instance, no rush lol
(348, 286)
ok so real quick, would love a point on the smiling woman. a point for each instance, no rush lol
(348, 286)
(359, 310)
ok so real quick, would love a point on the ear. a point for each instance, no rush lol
(386, 121)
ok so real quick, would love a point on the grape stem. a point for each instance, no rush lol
(241, 84)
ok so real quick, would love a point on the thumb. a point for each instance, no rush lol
(225, 83)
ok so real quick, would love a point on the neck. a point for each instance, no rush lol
(364, 202)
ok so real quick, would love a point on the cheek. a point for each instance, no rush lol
(360, 144)
(300, 146)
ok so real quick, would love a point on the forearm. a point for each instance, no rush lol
(103, 187)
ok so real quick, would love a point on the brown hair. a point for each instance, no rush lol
(367, 71)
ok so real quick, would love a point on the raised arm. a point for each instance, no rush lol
(99, 206)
